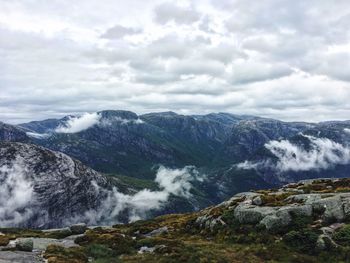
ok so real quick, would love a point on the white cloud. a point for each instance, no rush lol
(286, 59)
(78, 124)
(171, 182)
(16, 196)
(321, 154)
(38, 135)
(347, 130)
(248, 165)
(110, 121)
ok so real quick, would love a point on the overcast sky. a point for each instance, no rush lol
(275, 58)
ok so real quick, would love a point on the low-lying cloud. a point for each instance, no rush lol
(321, 154)
(16, 195)
(122, 121)
(20, 205)
(175, 182)
(38, 135)
(78, 124)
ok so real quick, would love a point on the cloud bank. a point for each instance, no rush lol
(20, 204)
(17, 195)
(281, 59)
(175, 182)
(322, 154)
(78, 124)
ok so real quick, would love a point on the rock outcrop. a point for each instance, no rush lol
(324, 203)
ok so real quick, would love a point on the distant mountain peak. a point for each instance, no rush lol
(128, 115)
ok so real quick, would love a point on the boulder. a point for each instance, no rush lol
(157, 232)
(304, 198)
(346, 206)
(60, 232)
(246, 214)
(257, 200)
(297, 210)
(332, 207)
(24, 244)
(78, 229)
(274, 223)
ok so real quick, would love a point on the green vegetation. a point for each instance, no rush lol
(342, 236)
(216, 234)
(58, 254)
(136, 183)
(303, 240)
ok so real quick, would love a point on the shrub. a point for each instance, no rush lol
(342, 236)
(303, 240)
(101, 253)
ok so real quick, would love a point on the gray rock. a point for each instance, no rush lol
(40, 244)
(20, 257)
(78, 229)
(332, 207)
(247, 195)
(346, 206)
(24, 244)
(274, 223)
(304, 198)
(296, 209)
(60, 231)
(252, 214)
(157, 232)
(257, 200)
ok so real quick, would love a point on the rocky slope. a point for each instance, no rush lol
(42, 188)
(123, 142)
(301, 222)
(12, 133)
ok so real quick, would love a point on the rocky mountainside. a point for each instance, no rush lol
(306, 221)
(123, 142)
(234, 152)
(42, 188)
(12, 133)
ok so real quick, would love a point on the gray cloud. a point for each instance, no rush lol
(250, 71)
(119, 31)
(168, 12)
(286, 59)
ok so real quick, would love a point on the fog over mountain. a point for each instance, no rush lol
(42, 188)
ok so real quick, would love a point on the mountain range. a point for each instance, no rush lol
(218, 154)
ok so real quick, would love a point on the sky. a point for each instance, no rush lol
(283, 59)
